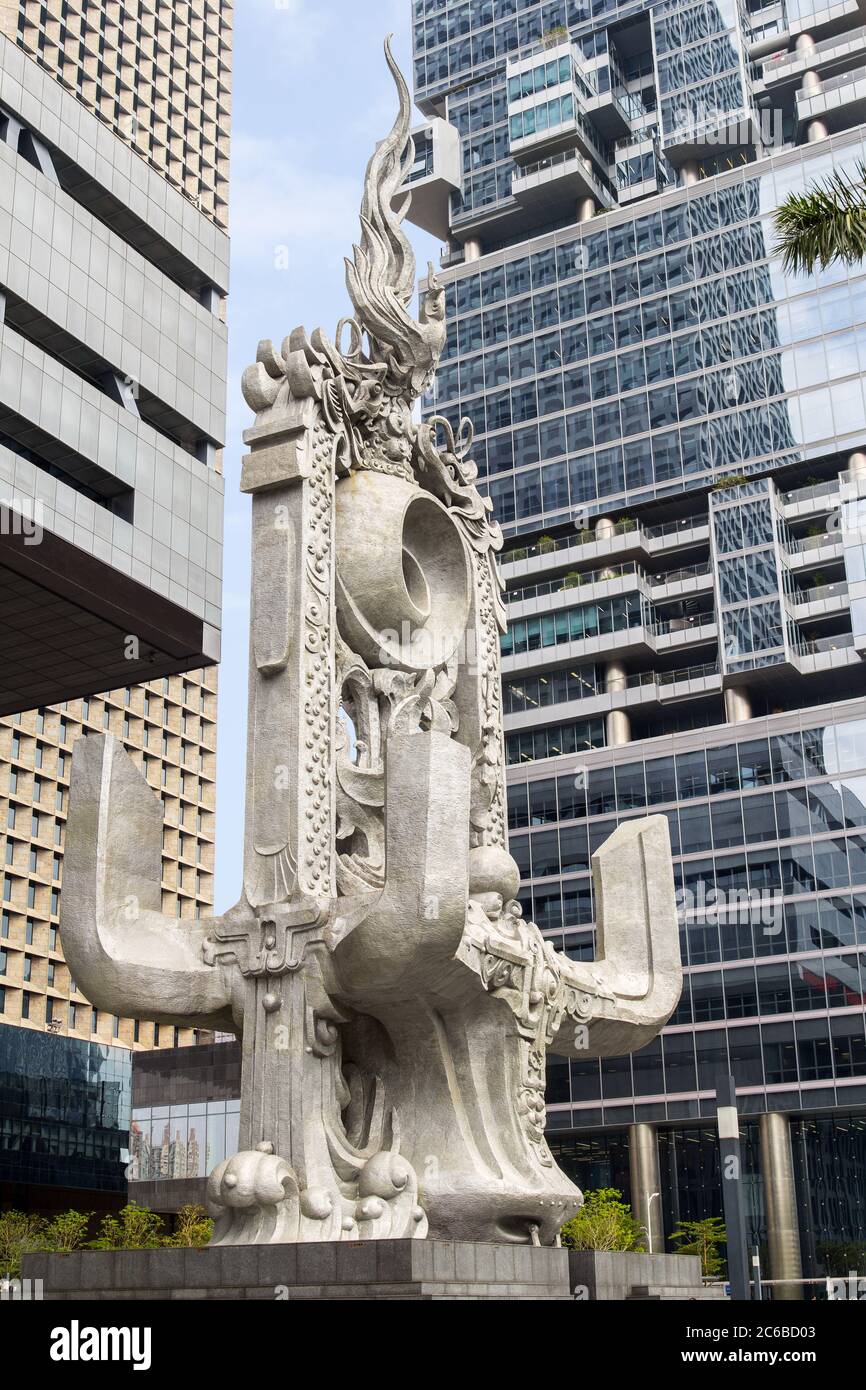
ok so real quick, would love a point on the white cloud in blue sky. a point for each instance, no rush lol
(311, 96)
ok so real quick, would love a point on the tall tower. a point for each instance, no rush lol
(114, 140)
(673, 434)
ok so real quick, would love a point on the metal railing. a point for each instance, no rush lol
(819, 592)
(577, 580)
(803, 544)
(841, 642)
(776, 61)
(833, 84)
(813, 493)
(553, 161)
(682, 673)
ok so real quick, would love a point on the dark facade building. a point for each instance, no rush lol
(64, 1122)
(185, 1113)
(673, 434)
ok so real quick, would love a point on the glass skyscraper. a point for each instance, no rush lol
(673, 434)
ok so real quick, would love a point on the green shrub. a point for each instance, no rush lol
(604, 1222)
(20, 1234)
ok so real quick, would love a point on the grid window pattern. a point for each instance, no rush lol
(169, 729)
(158, 75)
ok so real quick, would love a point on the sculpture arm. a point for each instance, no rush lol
(624, 998)
(123, 953)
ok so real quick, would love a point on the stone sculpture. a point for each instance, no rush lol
(394, 1005)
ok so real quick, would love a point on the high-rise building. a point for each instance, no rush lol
(673, 434)
(114, 130)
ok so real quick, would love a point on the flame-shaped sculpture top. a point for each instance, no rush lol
(381, 277)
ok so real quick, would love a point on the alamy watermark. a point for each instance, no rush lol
(22, 516)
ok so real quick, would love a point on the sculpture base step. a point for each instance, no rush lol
(426, 1270)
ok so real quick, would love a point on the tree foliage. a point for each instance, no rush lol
(826, 222)
(702, 1238)
(604, 1222)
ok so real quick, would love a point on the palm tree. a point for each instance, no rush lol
(825, 223)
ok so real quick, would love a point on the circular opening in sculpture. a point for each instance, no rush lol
(416, 584)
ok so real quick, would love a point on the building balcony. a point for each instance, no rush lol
(823, 601)
(840, 102)
(613, 114)
(831, 55)
(691, 579)
(806, 551)
(643, 689)
(626, 538)
(804, 502)
(435, 175)
(557, 182)
(640, 641)
(722, 130)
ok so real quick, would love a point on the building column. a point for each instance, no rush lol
(585, 209)
(646, 1200)
(804, 45)
(689, 173)
(472, 248)
(857, 464)
(617, 721)
(817, 129)
(738, 704)
(780, 1203)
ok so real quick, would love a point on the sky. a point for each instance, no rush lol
(311, 97)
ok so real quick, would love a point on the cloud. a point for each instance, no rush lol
(293, 30)
(280, 199)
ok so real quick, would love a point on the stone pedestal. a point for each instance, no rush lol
(425, 1270)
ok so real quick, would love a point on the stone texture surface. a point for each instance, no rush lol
(374, 1270)
(618, 1275)
(395, 1007)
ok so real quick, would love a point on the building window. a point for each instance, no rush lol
(25, 1004)
(28, 932)
(55, 902)
(31, 895)
(27, 974)
(4, 925)
(4, 962)
(94, 1020)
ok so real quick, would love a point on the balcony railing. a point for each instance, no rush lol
(803, 544)
(568, 582)
(776, 62)
(817, 492)
(819, 593)
(840, 642)
(683, 673)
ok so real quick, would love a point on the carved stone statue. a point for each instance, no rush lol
(394, 1005)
